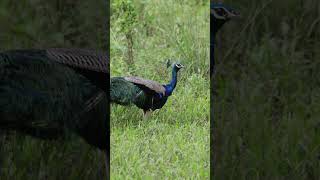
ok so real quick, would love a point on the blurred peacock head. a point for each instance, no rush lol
(177, 66)
(220, 14)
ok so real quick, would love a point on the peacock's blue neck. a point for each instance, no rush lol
(170, 87)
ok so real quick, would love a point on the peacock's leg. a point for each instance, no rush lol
(146, 113)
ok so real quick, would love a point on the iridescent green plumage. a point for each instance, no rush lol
(124, 92)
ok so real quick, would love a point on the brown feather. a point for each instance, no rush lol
(152, 85)
(80, 58)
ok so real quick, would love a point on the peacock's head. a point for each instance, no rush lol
(220, 14)
(177, 66)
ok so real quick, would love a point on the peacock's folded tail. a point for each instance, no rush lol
(124, 92)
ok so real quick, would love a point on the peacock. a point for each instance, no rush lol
(146, 94)
(219, 15)
(47, 93)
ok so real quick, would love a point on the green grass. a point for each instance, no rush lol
(173, 143)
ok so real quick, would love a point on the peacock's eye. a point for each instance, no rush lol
(222, 12)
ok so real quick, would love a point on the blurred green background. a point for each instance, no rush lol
(173, 143)
(40, 24)
(267, 82)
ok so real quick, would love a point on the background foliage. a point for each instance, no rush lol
(40, 24)
(267, 82)
(174, 142)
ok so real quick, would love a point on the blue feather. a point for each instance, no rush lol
(171, 86)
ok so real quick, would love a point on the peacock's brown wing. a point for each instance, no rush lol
(80, 58)
(149, 84)
(93, 64)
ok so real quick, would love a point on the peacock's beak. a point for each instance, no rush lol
(234, 15)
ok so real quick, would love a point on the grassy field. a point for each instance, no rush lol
(41, 24)
(174, 142)
(267, 81)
